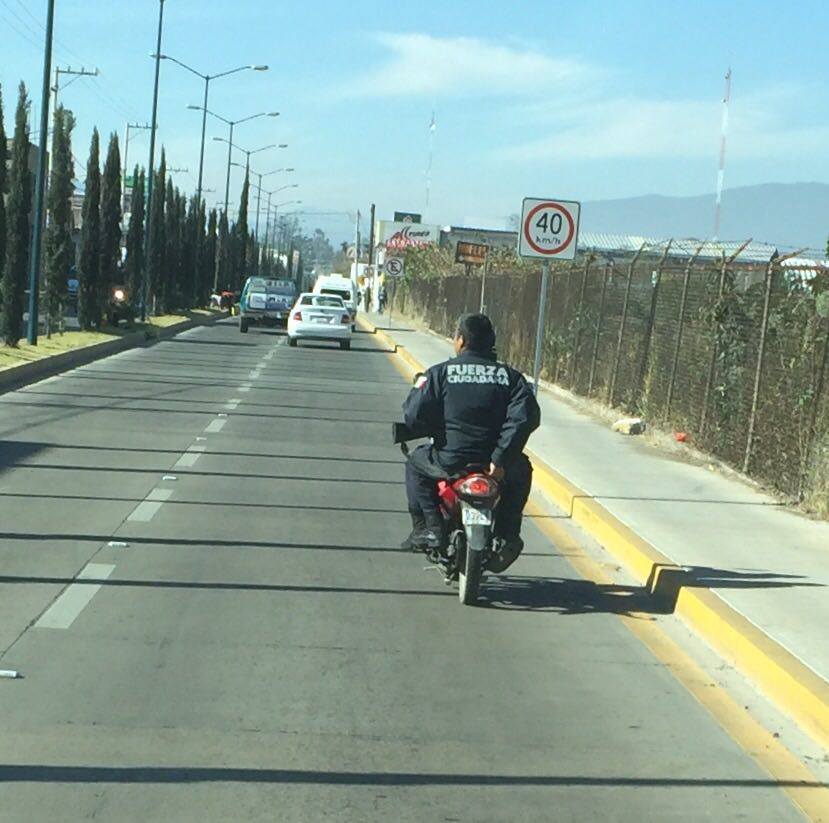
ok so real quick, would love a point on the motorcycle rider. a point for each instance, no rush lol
(479, 412)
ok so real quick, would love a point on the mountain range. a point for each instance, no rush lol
(784, 214)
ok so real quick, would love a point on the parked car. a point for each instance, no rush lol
(265, 302)
(339, 286)
(320, 317)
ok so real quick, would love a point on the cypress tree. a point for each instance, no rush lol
(89, 305)
(241, 234)
(133, 265)
(155, 264)
(224, 255)
(59, 250)
(202, 284)
(171, 259)
(209, 259)
(18, 209)
(110, 265)
(3, 188)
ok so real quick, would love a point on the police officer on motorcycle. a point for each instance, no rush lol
(478, 412)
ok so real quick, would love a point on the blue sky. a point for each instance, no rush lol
(593, 100)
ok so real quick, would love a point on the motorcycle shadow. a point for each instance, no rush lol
(567, 596)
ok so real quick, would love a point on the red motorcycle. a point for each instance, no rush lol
(468, 502)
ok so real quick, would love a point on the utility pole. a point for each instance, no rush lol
(356, 246)
(40, 181)
(82, 72)
(721, 174)
(151, 169)
(371, 238)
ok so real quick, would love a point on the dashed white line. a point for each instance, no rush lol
(233, 404)
(189, 457)
(216, 425)
(245, 389)
(146, 510)
(255, 374)
(62, 613)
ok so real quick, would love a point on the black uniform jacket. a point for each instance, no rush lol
(477, 410)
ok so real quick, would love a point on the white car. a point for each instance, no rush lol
(320, 317)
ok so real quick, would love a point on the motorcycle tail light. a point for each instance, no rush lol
(477, 486)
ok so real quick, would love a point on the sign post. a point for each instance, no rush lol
(549, 231)
(394, 268)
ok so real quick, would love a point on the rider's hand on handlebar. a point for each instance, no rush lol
(496, 472)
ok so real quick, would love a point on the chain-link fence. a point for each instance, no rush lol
(732, 352)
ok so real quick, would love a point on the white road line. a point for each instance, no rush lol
(62, 613)
(232, 404)
(244, 389)
(189, 457)
(146, 510)
(255, 374)
(216, 425)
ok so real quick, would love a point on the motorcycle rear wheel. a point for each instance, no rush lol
(469, 579)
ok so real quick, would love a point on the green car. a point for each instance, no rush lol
(265, 302)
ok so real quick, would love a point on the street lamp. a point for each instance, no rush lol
(276, 209)
(259, 190)
(232, 124)
(207, 78)
(150, 171)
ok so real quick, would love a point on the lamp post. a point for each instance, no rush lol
(40, 184)
(151, 167)
(207, 79)
(232, 124)
(259, 188)
(276, 209)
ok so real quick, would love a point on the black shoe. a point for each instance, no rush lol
(426, 539)
(418, 525)
(507, 550)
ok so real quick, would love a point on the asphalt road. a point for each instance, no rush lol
(262, 650)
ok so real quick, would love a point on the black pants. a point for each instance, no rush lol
(423, 472)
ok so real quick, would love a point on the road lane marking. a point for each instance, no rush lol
(244, 389)
(216, 425)
(146, 509)
(255, 374)
(233, 404)
(189, 457)
(62, 613)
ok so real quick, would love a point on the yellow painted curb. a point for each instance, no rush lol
(795, 688)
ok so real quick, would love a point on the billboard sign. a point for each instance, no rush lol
(397, 235)
(407, 217)
(471, 253)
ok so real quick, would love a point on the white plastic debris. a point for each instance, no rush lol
(629, 425)
(169, 477)
(222, 414)
(118, 544)
(10, 674)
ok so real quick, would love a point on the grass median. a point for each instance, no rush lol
(59, 343)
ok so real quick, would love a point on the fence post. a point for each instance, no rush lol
(577, 342)
(599, 320)
(726, 262)
(643, 362)
(758, 372)
(680, 327)
(801, 491)
(611, 386)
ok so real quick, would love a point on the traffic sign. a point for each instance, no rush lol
(549, 228)
(394, 266)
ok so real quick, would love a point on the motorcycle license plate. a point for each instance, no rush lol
(476, 517)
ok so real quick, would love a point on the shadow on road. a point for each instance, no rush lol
(41, 773)
(572, 596)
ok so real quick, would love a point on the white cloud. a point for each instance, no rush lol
(464, 66)
(762, 125)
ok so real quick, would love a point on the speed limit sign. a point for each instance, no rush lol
(549, 229)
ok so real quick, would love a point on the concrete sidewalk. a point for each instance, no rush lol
(769, 564)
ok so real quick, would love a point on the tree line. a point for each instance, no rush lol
(190, 251)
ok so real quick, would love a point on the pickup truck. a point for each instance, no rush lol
(265, 302)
